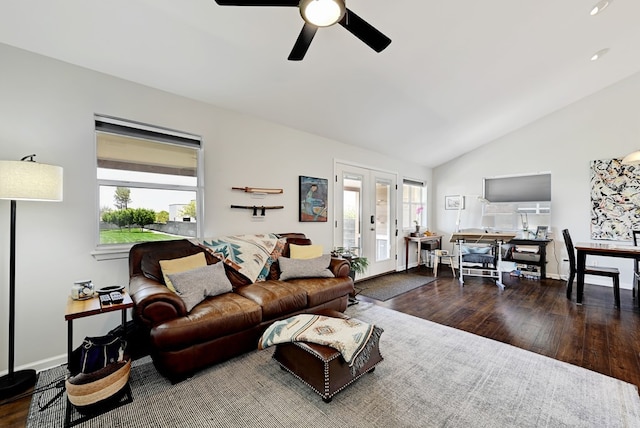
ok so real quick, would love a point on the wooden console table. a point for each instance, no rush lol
(419, 240)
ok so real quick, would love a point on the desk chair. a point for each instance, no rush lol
(439, 256)
(590, 270)
(636, 264)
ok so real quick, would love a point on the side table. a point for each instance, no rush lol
(419, 240)
(86, 308)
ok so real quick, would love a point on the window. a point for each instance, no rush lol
(414, 204)
(518, 188)
(148, 183)
(517, 202)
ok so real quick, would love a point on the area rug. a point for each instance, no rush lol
(388, 286)
(431, 376)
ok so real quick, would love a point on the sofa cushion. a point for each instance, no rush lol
(305, 268)
(275, 297)
(305, 251)
(217, 316)
(323, 290)
(180, 265)
(196, 284)
(150, 262)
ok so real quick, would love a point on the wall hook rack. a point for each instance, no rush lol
(258, 190)
(256, 208)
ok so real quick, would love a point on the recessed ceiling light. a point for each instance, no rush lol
(602, 52)
(600, 6)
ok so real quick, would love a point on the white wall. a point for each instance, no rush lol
(604, 125)
(47, 108)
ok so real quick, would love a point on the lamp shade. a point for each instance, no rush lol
(30, 181)
(632, 158)
(322, 13)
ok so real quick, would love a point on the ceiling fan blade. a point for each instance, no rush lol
(302, 44)
(364, 31)
(257, 3)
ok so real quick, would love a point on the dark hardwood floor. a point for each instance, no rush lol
(536, 316)
(532, 315)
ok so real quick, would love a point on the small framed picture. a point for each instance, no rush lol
(454, 202)
(541, 232)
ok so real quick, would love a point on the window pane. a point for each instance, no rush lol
(414, 205)
(173, 214)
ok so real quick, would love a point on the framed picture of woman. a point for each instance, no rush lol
(313, 199)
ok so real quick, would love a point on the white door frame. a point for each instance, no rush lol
(382, 254)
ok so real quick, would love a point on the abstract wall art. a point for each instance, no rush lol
(615, 199)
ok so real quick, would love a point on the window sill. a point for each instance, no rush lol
(111, 253)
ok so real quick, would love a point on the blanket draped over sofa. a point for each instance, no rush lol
(250, 255)
(351, 337)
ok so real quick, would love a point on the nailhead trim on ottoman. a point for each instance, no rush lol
(321, 367)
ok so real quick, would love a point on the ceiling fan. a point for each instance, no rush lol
(322, 13)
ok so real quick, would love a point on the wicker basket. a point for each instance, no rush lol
(92, 392)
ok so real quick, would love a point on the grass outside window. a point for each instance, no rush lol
(134, 235)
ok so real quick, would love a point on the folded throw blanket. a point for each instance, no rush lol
(251, 255)
(353, 338)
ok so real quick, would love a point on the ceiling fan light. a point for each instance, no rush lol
(599, 7)
(602, 52)
(322, 13)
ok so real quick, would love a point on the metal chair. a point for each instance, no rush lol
(613, 273)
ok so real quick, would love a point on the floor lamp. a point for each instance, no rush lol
(24, 180)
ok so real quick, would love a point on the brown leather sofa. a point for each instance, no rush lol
(226, 325)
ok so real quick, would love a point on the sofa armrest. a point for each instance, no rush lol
(340, 267)
(153, 302)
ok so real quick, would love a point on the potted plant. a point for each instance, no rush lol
(358, 264)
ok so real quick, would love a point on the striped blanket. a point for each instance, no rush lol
(353, 338)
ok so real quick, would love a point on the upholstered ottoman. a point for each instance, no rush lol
(322, 367)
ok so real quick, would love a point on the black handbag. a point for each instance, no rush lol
(98, 352)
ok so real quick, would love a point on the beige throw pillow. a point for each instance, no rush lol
(305, 251)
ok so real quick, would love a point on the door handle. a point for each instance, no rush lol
(373, 219)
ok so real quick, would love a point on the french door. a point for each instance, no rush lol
(365, 201)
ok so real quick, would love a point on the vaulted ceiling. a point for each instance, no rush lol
(458, 73)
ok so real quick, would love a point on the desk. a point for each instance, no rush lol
(605, 250)
(498, 239)
(419, 240)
